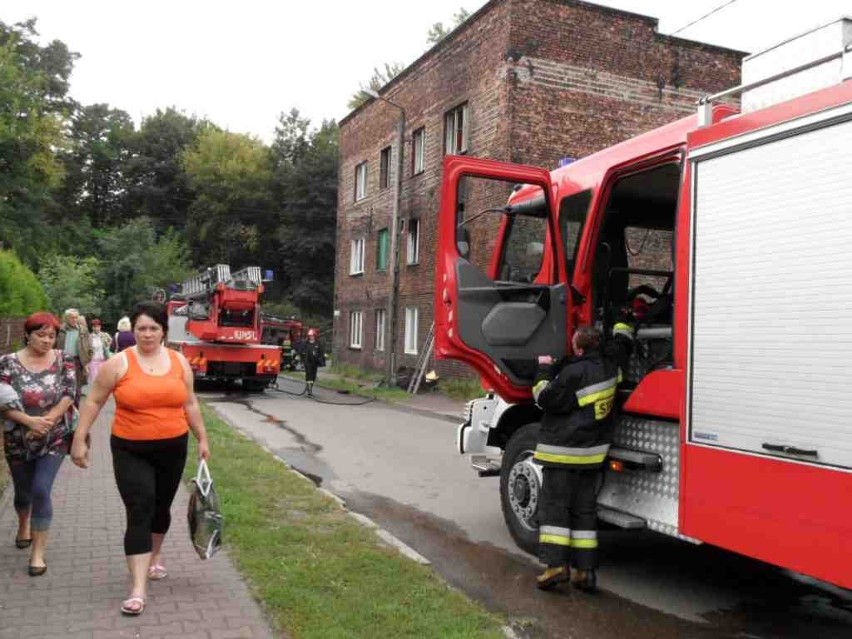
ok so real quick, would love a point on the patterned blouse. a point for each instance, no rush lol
(37, 394)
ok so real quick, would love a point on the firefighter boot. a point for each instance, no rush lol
(310, 388)
(552, 576)
(585, 580)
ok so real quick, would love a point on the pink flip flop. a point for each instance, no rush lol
(157, 572)
(133, 606)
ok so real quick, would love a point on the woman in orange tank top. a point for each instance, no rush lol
(155, 409)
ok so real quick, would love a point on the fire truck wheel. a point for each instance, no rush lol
(520, 487)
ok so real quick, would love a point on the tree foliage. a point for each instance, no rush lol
(95, 164)
(134, 263)
(106, 213)
(33, 82)
(21, 293)
(72, 282)
(379, 79)
(305, 165)
(438, 31)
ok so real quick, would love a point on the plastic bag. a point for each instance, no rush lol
(204, 516)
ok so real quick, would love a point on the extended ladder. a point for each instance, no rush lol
(423, 361)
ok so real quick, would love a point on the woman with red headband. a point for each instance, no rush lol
(37, 385)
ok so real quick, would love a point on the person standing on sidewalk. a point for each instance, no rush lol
(124, 335)
(72, 338)
(155, 408)
(38, 385)
(100, 348)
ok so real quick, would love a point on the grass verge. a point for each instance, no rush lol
(463, 389)
(317, 571)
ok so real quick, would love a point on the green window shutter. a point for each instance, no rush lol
(382, 250)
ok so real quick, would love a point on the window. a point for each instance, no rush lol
(384, 168)
(361, 181)
(572, 217)
(413, 241)
(382, 250)
(355, 326)
(380, 329)
(455, 130)
(411, 331)
(356, 258)
(419, 156)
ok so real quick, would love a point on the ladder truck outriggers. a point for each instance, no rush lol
(216, 323)
(728, 234)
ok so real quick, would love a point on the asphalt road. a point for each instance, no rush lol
(401, 470)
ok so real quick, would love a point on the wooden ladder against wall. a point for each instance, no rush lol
(422, 361)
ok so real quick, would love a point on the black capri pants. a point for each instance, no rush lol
(148, 474)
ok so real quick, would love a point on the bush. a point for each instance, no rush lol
(21, 293)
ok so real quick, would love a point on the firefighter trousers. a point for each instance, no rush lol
(568, 518)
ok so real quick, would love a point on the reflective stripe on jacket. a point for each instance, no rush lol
(578, 420)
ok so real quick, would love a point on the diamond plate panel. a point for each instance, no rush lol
(651, 496)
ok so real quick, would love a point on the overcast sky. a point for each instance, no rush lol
(242, 63)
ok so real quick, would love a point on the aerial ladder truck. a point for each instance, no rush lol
(216, 323)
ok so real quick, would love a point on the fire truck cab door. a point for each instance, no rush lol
(498, 309)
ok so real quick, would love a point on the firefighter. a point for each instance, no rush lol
(577, 396)
(313, 357)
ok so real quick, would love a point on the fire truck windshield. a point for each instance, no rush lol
(238, 318)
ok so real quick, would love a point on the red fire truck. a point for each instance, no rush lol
(215, 323)
(733, 231)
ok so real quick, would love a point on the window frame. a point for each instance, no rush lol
(412, 243)
(418, 151)
(385, 157)
(382, 236)
(380, 318)
(412, 316)
(452, 145)
(356, 319)
(361, 181)
(356, 256)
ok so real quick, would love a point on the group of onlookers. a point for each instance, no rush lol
(43, 420)
(90, 349)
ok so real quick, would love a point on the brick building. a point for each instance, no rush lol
(528, 81)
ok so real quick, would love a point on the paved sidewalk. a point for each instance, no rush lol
(87, 577)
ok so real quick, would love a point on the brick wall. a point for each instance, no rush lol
(543, 79)
(11, 334)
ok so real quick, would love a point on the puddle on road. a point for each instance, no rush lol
(504, 582)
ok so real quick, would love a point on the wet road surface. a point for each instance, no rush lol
(401, 471)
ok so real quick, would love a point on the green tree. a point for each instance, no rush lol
(306, 184)
(72, 282)
(438, 31)
(95, 164)
(134, 263)
(230, 219)
(379, 79)
(20, 291)
(33, 84)
(158, 186)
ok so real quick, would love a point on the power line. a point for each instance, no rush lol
(706, 15)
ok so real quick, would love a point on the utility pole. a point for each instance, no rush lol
(393, 271)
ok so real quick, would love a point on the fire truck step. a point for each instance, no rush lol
(620, 519)
(637, 459)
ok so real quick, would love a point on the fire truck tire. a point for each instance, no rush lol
(520, 487)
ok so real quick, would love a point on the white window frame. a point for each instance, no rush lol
(456, 121)
(411, 330)
(413, 242)
(356, 328)
(361, 181)
(418, 146)
(381, 327)
(356, 257)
